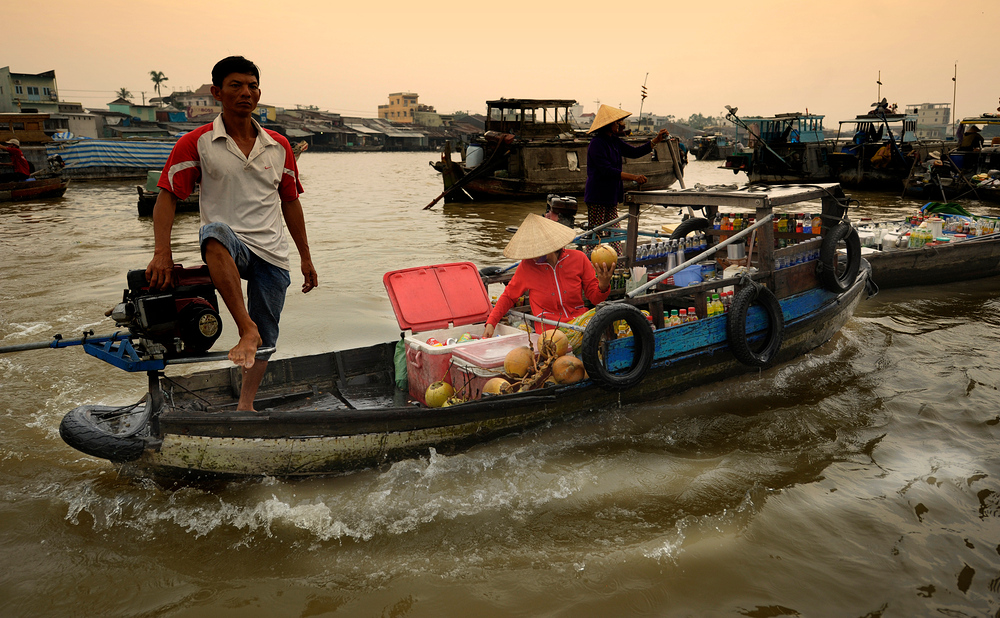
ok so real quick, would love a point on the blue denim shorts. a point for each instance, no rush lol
(266, 283)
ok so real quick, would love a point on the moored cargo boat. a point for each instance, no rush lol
(932, 249)
(530, 149)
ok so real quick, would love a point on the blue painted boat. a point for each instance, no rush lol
(344, 410)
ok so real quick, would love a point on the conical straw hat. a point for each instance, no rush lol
(606, 115)
(536, 237)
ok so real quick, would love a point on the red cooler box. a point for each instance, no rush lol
(440, 302)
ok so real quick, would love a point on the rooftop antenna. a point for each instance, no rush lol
(878, 97)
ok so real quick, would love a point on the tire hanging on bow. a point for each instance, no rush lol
(736, 326)
(643, 350)
(837, 276)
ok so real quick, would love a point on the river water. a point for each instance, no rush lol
(862, 479)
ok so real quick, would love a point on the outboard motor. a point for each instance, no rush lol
(179, 322)
(561, 209)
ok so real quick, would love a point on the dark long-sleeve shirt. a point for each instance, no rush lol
(604, 168)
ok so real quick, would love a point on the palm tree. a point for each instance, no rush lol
(123, 93)
(158, 78)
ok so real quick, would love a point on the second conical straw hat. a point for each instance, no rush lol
(536, 237)
(606, 115)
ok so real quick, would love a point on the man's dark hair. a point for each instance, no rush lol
(233, 64)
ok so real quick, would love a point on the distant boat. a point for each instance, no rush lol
(784, 148)
(32, 189)
(712, 147)
(960, 174)
(529, 150)
(865, 135)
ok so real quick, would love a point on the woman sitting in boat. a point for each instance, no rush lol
(554, 277)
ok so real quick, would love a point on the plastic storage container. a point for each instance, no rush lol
(441, 302)
(688, 276)
(477, 362)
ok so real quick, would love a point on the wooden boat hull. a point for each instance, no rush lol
(147, 200)
(33, 190)
(339, 411)
(947, 263)
(805, 162)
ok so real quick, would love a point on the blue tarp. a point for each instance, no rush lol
(110, 153)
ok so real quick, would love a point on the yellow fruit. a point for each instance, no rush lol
(558, 338)
(518, 361)
(495, 386)
(604, 254)
(567, 370)
(438, 393)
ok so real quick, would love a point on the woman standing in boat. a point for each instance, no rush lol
(605, 187)
(554, 277)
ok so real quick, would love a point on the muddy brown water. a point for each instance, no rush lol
(858, 480)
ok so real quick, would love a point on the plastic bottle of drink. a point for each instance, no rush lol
(807, 224)
(716, 305)
(683, 316)
(692, 314)
(798, 222)
(817, 223)
(674, 320)
(783, 223)
(727, 300)
(717, 224)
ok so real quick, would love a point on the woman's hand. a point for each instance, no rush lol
(639, 178)
(604, 272)
(662, 136)
(488, 331)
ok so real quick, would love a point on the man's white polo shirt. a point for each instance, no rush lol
(244, 192)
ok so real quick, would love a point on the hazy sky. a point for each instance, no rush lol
(765, 57)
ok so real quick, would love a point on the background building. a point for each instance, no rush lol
(933, 120)
(403, 108)
(28, 92)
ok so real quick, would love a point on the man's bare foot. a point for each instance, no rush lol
(245, 352)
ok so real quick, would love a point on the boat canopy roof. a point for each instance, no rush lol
(872, 125)
(780, 127)
(530, 118)
(530, 103)
(890, 118)
(989, 125)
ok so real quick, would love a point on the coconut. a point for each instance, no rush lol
(567, 369)
(438, 393)
(558, 338)
(604, 254)
(495, 386)
(519, 361)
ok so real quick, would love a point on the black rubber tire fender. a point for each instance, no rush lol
(829, 260)
(736, 326)
(78, 431)
(643, 351)
(694, 224)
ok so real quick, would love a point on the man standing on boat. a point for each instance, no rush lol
(249, 183)
(605, 187)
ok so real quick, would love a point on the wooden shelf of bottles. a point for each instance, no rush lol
(797, 236)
